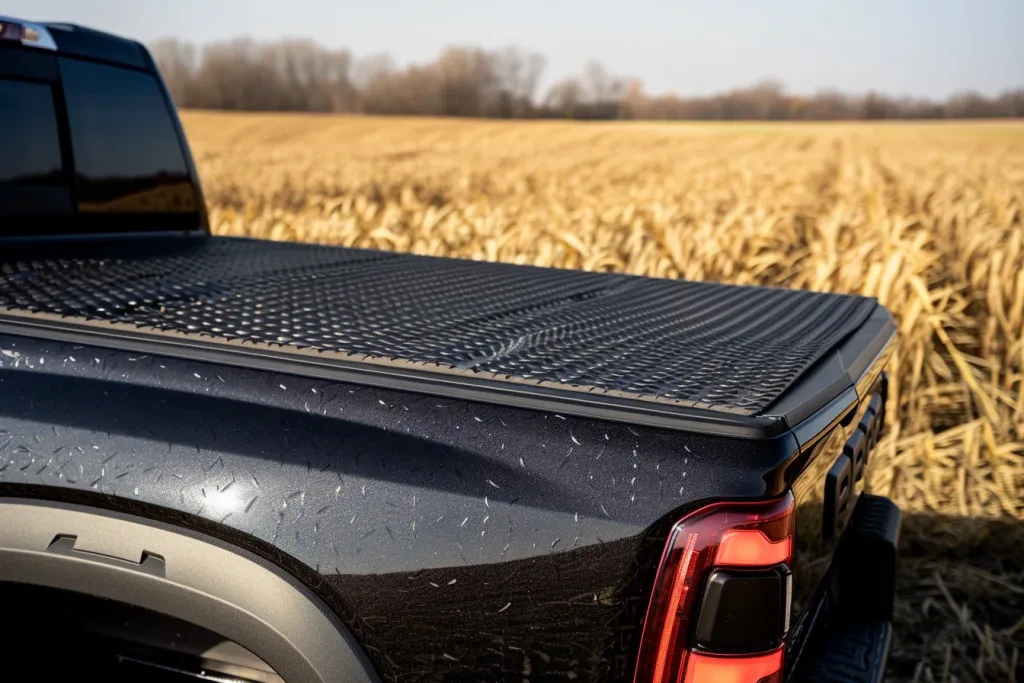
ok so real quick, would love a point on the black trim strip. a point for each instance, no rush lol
(67, 152)
(408, 378)
(91, 237)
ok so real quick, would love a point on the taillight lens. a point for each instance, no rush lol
(749, 669)
(745, 536)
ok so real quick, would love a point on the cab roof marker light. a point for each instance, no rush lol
(27, 33)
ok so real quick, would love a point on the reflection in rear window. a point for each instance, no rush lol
(29, 144)
(127, 154)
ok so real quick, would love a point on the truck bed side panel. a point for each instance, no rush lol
(451, 536)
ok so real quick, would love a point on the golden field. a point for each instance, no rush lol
(928, 218)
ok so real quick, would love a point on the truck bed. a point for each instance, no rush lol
(474, 465)
(635, 349)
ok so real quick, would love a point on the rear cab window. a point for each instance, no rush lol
(31, 168)
(34, 156)
(126, 150)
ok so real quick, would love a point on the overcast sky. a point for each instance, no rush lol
(910, 47)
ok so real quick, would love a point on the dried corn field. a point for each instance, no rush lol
(929, 218)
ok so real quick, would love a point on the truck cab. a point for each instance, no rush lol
(97, 144)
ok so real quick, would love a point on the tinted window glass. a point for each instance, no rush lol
(29, 143)
(127, 154)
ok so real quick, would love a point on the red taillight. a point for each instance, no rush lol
(745, 536)
(757, 669)
(751, 548)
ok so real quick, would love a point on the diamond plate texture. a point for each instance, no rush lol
(710, 345)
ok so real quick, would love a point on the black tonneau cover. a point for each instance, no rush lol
(673, 353)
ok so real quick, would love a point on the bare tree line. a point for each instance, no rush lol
(300, 75)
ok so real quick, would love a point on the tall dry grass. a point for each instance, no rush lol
(929, 218)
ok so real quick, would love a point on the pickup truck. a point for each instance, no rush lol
(244, 460)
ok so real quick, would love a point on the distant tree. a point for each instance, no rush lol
(178, 62)
(1010, 103)
(635, 105)
(874, 106)
(312, 78)
(469, 86)
(969, 105)
(300, 75)
(600, 86)
(232, 77)
(369, 68)
(518, 74)
(565, 98)
(416, 90)
(828, 105)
